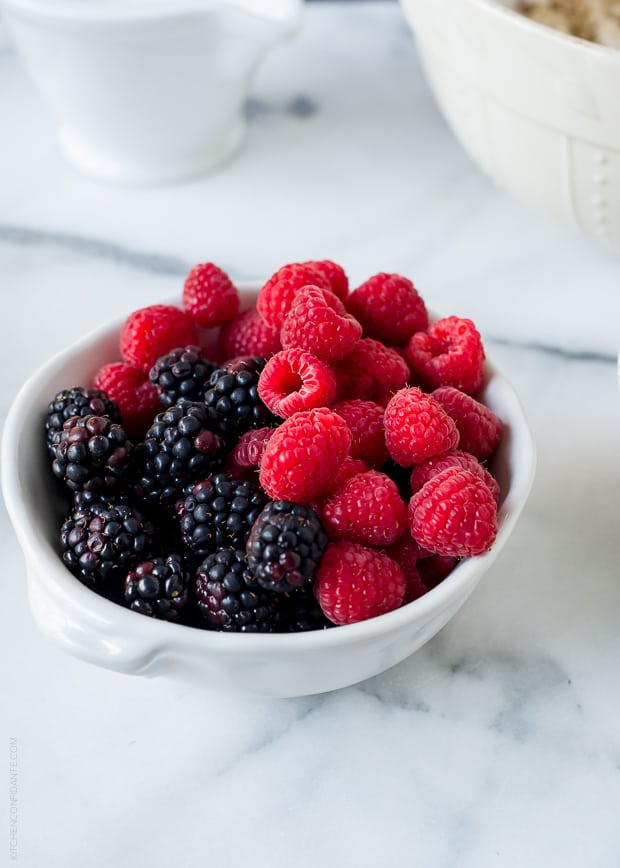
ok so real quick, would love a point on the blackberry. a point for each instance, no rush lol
(232, 397)
(92, 454)
(219, 513)
(181, 373)
(158, 588)
(300, 612)
(227, 601)
(285, 546)
(101, 542)
(179, 448)
(76, 402)
(83, 500)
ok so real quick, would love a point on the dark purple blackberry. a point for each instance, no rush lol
(285, 546)
(100, 543)
(300, 612)
(219, 513)
(232, 397)
(76, 402)
(92, 454)
(225, 599)
(181, 373)
(158, 588)
(179, 448)
(83, 500)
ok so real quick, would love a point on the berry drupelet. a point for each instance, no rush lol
(179, 448)
(232, 399)
(158, 588)
(181, 373)
(285, 546)
(102, 541)
(219, 513)
(76, 402)
(227, 601)
(92, 454)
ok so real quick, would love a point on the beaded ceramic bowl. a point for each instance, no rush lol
(537, 109)
(101, 632)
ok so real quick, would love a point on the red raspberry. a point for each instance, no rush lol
(303, 455)
(406, 553)
(371, 372)
(454, 514)
(243, 461)
(448, 353)
(318, 322)
(355, 583)
(417, 427)
(134, 394)
(276, 296)
(365, 421)
(349, 467)
(479, 427)
(389, 308)
(335, 274)
(248, 335)
(209, 295)
(366, 509)
(434, 570)
(421, 473)
(294, 380)
(151, 332)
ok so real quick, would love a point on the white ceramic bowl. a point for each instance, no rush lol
(537, 109)
(101, 632)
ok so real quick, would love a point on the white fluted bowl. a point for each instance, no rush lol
(537, 109)
(104, 633)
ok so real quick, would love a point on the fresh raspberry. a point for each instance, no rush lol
(366, 509)
(417, 427)
(349, 467)
(421, 473)
(355, 583)
(370, 372)
(276, 296)
(335, 274)
(244, 460)
(454, 514)
(448, 353)
(434, 570)
(134, 394)
(294, 380)
(479, 427)
(303, 455)
(151, 332)
(406, 552)
(210, 296)
(389, 308)
(318, 322)
(248, 335)
(365, 421)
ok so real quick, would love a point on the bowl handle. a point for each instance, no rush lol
(89, 637)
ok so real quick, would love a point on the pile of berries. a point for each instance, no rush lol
(324, 461)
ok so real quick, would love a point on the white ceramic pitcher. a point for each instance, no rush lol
(147, 90)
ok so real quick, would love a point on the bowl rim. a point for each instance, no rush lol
(494, 8)
(40, 553)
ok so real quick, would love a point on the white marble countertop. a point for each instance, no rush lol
(498, 743)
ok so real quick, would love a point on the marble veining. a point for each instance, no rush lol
(93, 248)
(497, 744)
